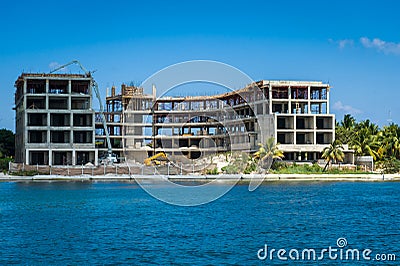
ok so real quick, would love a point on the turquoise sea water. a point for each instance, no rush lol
(75, 223)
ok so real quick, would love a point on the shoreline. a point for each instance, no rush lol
(243, 178)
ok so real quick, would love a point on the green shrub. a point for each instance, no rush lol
(4, 163)
(285, 168)
(230, 169)
(213, 171)
(390, 166)
(251, 167)
(278, 165)
(26, 173)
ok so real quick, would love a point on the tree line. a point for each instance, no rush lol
(368, 139)
(7, 147)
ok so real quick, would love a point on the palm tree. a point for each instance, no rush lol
(365, 145)
(367, 125)
(333, 153)
(390, 141)
(348, 121)
(267, 153)
(366, 140)
(345, 129)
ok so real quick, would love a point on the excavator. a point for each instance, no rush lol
(153, 159)
(108, 158)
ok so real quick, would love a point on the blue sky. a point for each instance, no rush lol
(355, 46)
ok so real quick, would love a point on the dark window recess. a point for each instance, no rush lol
(300, 139)
(36, 86)
(300, 124)
(280, 108)
(320, 138)
(320, 123)
(281, 139)
(299, 93)
(58, 86)
(37, 136)
(37, 158)
(80, 104)
(62, 158)
(59, 120)
(82, 120)
(37, 119)
(81, 87)
(280, 93)
(58, 103)
(82, 157)
(60, 137)
(36, 103)
(82, 137)
(281, 123)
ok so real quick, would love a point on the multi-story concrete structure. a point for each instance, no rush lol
(295, 113)
(55, 122)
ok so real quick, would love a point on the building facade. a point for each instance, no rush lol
(295, 113)
(55, 121)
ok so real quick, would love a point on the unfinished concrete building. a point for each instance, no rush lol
(55, 122)
(295, 113)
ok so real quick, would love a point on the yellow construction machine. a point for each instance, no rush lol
(155, 159)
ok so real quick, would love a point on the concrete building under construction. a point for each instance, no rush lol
(295, 113)
(55, 121)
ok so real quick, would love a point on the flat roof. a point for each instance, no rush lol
(47, 75)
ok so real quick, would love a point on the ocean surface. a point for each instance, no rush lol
(82, 223)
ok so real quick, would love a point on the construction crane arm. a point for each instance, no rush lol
(95, 88)
(88, 73)
(102, 116)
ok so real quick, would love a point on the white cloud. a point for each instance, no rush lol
(339, 106)
(342, 43)
(380, 45)
(54, 65)
(346, 42)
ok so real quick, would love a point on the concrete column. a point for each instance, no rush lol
(73, 157)
(69, 95)
(315, 130)
(50, 157)
(26, 161)
(90, 93)
(309, 99)
(47, 95)
(295, 130)
(48, 128)
(25, 125)
(94, 130)
(270, 99)
(25, 88)
(327, 100)
(96, 157)
(69, 104)
(290, 100)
